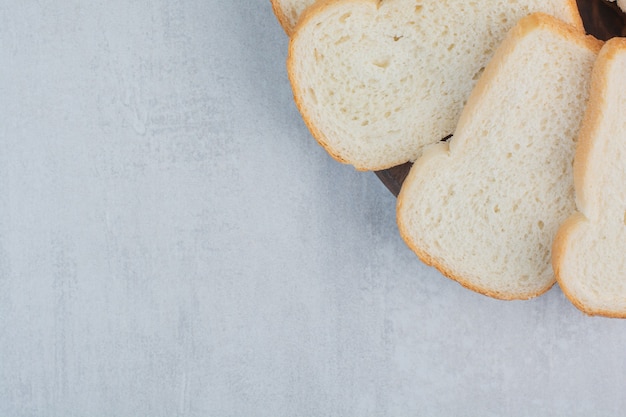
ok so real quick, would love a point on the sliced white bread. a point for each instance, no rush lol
(484, 208)
(288, 12)
(589, 253)
(376, 81)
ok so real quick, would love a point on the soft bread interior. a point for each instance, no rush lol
(590, 249)
(485, 208)
(288, 12)
(376, 81)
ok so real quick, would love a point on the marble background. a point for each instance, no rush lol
(174, 243)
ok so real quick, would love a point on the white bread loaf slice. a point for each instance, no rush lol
(288, 12)
(589, 253)
(376, 81)
(484, 208)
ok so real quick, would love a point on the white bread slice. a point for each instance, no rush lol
(288, 12)
(589, 253)
(484, 208)
(375, 81)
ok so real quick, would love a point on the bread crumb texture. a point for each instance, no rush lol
(589, 253)
(288, 12)
(485, 209)
(376, 81)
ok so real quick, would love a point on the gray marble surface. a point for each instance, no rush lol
(174, 243)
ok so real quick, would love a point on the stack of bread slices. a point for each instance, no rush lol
(531, 188)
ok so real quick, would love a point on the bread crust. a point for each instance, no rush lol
(282, 18)
(577, 20)
(319, 7)
(524, 26)
(587, 213)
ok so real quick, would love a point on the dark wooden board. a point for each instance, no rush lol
(602, 19)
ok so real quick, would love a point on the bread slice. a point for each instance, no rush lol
(484, 208)
(376, 81)
(589, 253)
(288, 12)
